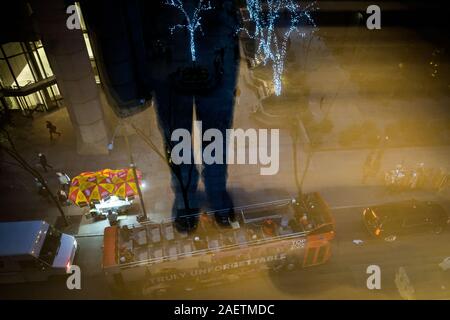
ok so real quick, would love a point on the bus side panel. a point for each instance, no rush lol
(226, 265)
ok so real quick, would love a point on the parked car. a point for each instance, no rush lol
(389, 220)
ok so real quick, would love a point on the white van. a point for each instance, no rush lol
(33, 251)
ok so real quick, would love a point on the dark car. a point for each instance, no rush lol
(388, 220)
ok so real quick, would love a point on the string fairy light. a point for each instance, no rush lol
(271, 47)
(193, 22)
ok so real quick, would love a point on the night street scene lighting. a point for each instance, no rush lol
(224, 150)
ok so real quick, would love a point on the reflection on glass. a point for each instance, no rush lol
(46, 64)
(12, 103)
(88, 46)
(22, 70)
(5, 75)
(12, 48)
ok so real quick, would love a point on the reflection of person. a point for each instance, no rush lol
(214, 108)
(39, 185)
(140, 73)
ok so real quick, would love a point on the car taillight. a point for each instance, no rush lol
(68, 265)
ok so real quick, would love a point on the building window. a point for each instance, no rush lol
(87, 41)
(41, 57)
(27, 82)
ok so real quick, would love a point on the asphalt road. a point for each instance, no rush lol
(343, 277)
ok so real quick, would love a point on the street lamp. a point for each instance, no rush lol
(144, 216)
(111, 144)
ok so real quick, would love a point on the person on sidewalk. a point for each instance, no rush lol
(43, 162)
(52, 130)
(42, 191)
(39, 185)
(367, 166)
(64, 181)
(62, 197)
(237, 95)
(376, 164)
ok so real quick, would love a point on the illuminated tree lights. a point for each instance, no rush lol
(272, 47)
(264, 15)
(192, 22)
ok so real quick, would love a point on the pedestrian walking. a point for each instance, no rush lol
(367, 166)
(62, 197)
(376, 164)
(52, 130)
(42, 191)
(43, 162)
(39, 185)
(64, 181)
(237, 94)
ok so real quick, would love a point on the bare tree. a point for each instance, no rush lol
(7, 146)
(272, 45)
(192, 22)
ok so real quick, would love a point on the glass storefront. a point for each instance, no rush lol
(27, 82)
(26, 79)
(87, 41)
